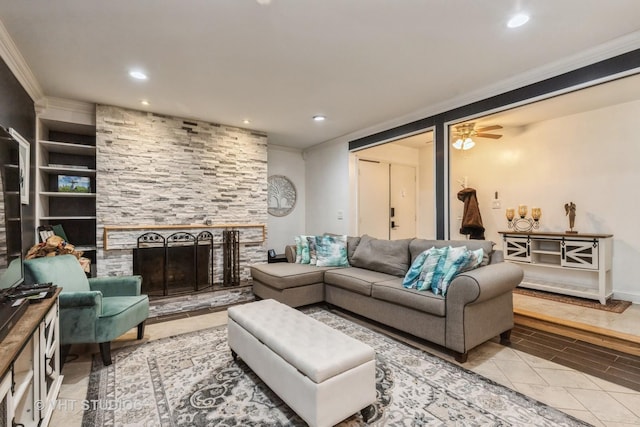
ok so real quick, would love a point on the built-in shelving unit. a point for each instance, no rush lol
(66, 148)
(565, 263)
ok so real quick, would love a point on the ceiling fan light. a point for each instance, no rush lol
(468, 144)
(457, 145)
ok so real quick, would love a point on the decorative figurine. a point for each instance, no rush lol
(570, 209)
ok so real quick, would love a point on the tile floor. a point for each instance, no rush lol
(586, 397)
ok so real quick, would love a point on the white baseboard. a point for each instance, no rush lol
(627, 296)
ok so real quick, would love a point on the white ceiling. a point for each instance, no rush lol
(360, 62)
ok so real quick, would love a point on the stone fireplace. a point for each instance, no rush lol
(167, 175)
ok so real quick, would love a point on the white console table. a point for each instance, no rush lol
(30, 366)
(582, 262)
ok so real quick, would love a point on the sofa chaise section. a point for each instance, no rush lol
(290, 283)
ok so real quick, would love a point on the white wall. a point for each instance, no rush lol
(281, 230)
(589, 158)
(329, 183)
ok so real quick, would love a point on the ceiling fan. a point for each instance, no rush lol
(465, 132)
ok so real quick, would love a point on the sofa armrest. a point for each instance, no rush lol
(81, 299)
(290, 253)
(484, 283)
(117, 286)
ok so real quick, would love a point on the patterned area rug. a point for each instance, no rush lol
(188, 303)
(192, 380)
(613, 305)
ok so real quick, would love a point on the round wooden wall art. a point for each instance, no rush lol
(282, 195)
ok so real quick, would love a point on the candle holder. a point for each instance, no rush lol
(523, 223)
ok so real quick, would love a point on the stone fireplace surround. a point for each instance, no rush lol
(156, 171)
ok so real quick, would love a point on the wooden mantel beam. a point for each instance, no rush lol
(110, 228)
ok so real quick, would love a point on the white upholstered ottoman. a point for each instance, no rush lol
(322, 374)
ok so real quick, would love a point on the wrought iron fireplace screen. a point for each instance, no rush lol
(183, 262)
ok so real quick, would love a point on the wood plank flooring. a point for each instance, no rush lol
(608, 364)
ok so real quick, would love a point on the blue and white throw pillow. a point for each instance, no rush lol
(475, 259)
(331, 251)
(411, 278)
(303, 255)
(313, 255)
(432, 267)
(457, 265)
(298, 240)
(452, 255)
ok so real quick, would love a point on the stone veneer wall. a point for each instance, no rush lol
(158, 170)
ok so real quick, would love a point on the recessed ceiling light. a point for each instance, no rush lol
(518, 20)
(319, 118)
(144, 102)
(137, 74)
(246, 121)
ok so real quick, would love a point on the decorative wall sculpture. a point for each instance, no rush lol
(282, 195)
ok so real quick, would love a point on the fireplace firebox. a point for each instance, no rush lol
(181, 263)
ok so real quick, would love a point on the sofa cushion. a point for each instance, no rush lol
(355, 279)
(283, 275)
(352, 244)
(384, 256)
(417, 246)
(393, 291)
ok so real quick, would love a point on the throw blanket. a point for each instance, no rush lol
(471, 219)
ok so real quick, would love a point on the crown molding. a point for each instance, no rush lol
(593, 55)
(18, 66)
(67, 110)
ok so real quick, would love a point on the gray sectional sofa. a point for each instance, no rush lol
(478, 305)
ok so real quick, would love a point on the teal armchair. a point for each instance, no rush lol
(95, 310)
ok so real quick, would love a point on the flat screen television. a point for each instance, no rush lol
(11, 268)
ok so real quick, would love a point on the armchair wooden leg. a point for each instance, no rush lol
(105, 352)
(141, 330)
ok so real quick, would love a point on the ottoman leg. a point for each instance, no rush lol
(367, 413)
(234, 355)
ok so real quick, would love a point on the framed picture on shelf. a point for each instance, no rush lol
(24, 161)
(74, 184)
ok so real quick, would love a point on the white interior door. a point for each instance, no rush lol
(373, 198)
(402, 201)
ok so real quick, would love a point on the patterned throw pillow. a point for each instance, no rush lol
(475, 259)
(313, 256)
(332, 251)
(431, 267)
(457, 264)
(303, 255)
(298, 249)
(464, 261)
(453, 254)
(411, 278)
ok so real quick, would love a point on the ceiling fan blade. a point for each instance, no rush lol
(486, 128)
(488, 135)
